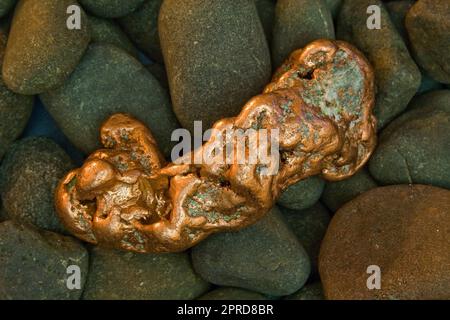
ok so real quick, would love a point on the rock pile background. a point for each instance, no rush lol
(173, 62)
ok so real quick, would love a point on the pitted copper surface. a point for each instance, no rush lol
(126, 196)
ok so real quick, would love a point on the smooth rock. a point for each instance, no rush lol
(29, 174)
(338, 193)
(309, 226)
(216, 57)
(297, 23)
(428, 25)
(313, 291)
(303, 194)
(228, 293)
(34, 264)
(120, 275)
(111, 8)
(107, 31)
(415, 148)
(15, 109)
(397, 11)
(109, 80)
(397, 76)
(41, 51)
(142, 27)
(159, 72)
(401, 229)
(265, 257)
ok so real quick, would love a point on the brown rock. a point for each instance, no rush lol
(403, 229)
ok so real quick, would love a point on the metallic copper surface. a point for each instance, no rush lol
(126, 196)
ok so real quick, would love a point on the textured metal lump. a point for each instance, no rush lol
(125, 196)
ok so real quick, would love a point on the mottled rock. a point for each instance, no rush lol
(111, 8)
(107, 31)
(309, 226)
(6, 6)
(297, 23)
(303, 194)
(397, 11)
(338, 193)
(15, 109)
(41, 51)
(397, 77)
(142, 28)
(313, 291)
(119, 275)
(266, 12)
(29, 174)
(401, 229)
(428, 25)
(228, 293)
(108, 80)
(265, 257)
(33, 264)
(415, 148)
(216, 57)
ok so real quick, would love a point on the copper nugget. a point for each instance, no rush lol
(125, 195)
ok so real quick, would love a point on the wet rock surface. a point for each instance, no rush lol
(29, 175)
(265, 257)
(33, 264)
(401, 229)
(415, 147)
(130, 276)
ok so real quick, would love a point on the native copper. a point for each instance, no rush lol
(126, 196)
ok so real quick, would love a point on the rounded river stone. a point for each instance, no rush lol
(216, 56)
(109, 80)
(303, 194)
(142, 28)
(42, 51)
(397, 11)
(404, 231)
(29, 174)
(397, 76)
(120, 275)
(107, 31)
(428, 25)
(111, 8)
(415, 148)
(15, 109)
(338, 193)
(334, 6)
(265, 257)
(309, 226)
(313, 291)
(34, 264)
(297, 23)
(228, 293)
